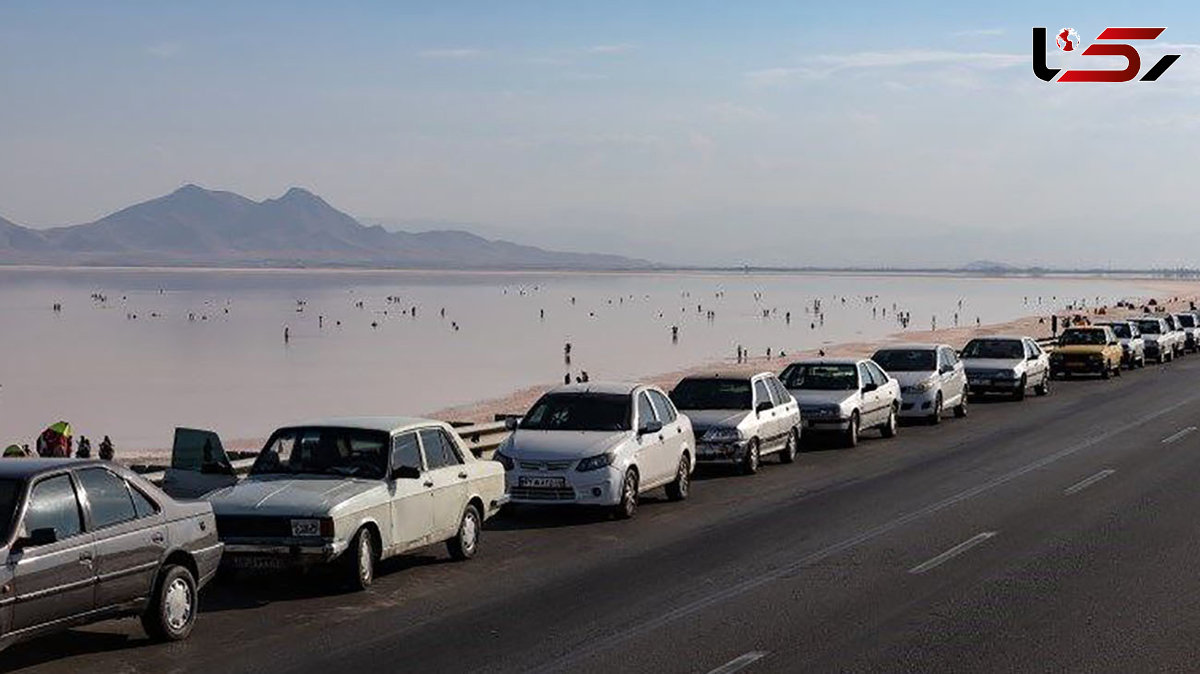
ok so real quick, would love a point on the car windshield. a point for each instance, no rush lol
(1186, 320)
(1120, 330)
(1007, 349)
(906, 360)
(712, 394)
(579, 412)
(1149, 327)
(351, 452)
(1082, 337)
(10, 491)
(821, 377)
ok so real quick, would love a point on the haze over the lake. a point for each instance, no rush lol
(706, 133)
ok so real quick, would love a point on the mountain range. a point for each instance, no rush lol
(193, 226)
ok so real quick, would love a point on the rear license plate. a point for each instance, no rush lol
(240, 562)
(542, 482)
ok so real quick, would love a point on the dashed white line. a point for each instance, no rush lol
(1087, 482)
(952, 552)
(1176, 436)
(740, 662)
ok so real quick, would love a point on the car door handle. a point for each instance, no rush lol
(463, 475)
(660, 437)
(429, 483)
(157, 538)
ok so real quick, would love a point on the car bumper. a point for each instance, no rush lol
(979, 386)
(721, 452)
(569, 487)
(1077, 367)
(826, 425)
(208, 560)
(269, 554)
(917, 404)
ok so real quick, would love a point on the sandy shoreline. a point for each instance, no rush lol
(1175, 295)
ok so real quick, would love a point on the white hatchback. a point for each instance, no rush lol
(599, 444)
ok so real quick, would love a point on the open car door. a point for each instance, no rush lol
(198, 464)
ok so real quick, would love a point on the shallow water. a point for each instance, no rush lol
(229, 369)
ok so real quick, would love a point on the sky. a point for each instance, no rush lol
(710, 133)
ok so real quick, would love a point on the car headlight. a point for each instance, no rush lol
(311, 528)
(595, 462)
(922, 386)
(1012, 374)
(504, 460)
(723, 434)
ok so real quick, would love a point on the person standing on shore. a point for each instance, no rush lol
(84, 450)
(106, 449)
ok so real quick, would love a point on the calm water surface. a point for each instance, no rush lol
(229, 368)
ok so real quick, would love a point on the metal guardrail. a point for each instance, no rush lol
(481, 439)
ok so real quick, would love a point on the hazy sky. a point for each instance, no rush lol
(703, 132)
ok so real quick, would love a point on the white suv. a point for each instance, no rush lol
(599, 444)
(932, 379)
(739, 418)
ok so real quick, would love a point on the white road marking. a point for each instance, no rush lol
(740, 662)
(691, 608)
(1176, 436)
(1087, 482)
(952, 552)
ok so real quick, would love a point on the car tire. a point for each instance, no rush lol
(626, 508)
(850, 435)
(1105, 372)
(358, 561)
(936, 418)
(679, 488)
(790, 447)
(753, 458)
(960, 410)
(171, 613)
(1117, 369)
(1043, 389)
(888, 429)
(466, 542)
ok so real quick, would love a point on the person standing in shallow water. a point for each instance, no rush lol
(106, 449)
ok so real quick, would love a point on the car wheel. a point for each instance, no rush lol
(790, 447)
(1117, 369)
(850, 435)
(679, 488)
(466, 542)
(627, 507)
(1019, 394)
(888, 430)
(1043, 388)
(936, 417)
(358, 561)
(1106, 372)
(753, 458)
(171, 614)
(960, 410)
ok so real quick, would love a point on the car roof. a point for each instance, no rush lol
(912, 347)
(22, 468)
(829, 361)
(610, 387)
(381, 423)
(1094, 326)
(728, 374)
(1002, 337)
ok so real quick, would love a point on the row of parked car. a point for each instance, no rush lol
(89, 540)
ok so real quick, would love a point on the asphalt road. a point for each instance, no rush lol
(1056, 534)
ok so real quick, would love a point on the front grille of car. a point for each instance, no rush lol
(253, 526)
(543, 493)
(546, 465)
(990, 373)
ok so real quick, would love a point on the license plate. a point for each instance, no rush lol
(542, 481)
(260, 563)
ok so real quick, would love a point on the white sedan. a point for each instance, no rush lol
(351, 492)
(599, 444)
(844, 396)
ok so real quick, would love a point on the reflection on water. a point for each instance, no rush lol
(207, 348)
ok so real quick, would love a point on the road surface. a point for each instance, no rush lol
(1057, 534)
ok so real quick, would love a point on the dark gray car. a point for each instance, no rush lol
(85, 541)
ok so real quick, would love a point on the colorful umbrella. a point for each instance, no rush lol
(62, 428)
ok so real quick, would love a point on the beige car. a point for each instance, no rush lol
(350, 492)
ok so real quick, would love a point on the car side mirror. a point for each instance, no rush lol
(510, 423)
(42, 536)
(867, 388)
(406, 473)
(763, 406)
(650, 427)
